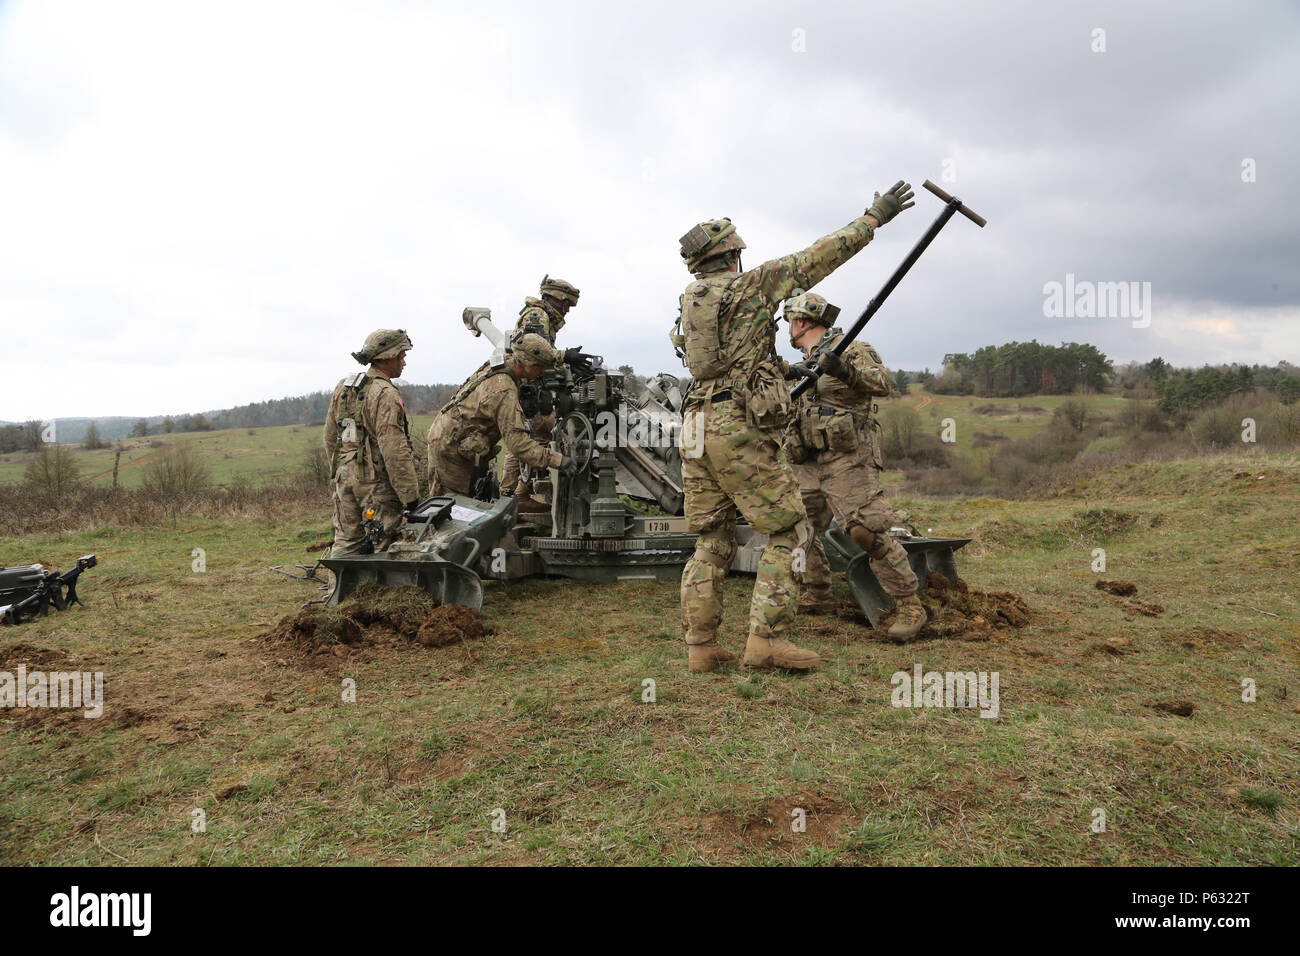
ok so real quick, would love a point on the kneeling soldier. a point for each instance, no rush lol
(834, 445)
(468, 431)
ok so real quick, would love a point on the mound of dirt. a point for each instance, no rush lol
(400, 609)
(376, 615)
(36, 658)
(1119, 588)
(448, 625)
(959, 612)
(315, 627)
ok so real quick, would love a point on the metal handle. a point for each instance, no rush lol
(968, 213)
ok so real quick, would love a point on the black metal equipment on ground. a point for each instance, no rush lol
(30, 591)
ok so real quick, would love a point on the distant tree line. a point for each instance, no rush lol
(24, 437)
(1024, 368)
(1188, 389)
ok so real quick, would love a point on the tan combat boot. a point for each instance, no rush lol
(762, 652)
(817, 602)
(705, 657)
(909, 620)
(527, 504)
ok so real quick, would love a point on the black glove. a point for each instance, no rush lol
(580, 362)
(893, 202)
(802, 370)
(831, 364)
(411, 505)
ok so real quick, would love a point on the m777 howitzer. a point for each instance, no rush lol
(617, 517)
(30, 591)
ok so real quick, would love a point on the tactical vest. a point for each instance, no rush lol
(824, 425)
(352, 424)
(468, 441)
(536, 327)
(703, 306)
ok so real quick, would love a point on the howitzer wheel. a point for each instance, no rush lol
(577, 438)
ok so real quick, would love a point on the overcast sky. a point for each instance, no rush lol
(208, 204)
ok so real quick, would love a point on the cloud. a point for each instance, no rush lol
(210, 204)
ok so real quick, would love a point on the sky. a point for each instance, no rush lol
(209, 204)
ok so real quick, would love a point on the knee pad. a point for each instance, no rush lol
(715, 550)
(875, 543)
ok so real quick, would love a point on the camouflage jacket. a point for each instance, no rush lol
(747, 327)
(871, 378)
(538, 316)
(483, 414)
(384, 450)
(836, 418)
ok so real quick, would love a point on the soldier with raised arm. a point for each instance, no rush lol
(733, 421)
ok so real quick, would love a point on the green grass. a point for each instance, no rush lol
(545, 720)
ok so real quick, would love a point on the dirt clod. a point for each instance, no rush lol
(959, 612)
(1118, 588)
(1179, 708)
(1144, 608)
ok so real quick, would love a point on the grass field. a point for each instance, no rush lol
(545, 720)
(267, 453)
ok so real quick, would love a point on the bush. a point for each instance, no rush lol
(176, 472)
(1140, 417)
(53, 474)
(91, 440)
(316, 466)
(1073, 413)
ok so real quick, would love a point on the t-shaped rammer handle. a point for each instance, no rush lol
(965, 211)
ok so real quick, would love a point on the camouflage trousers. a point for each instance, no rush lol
(542, 426)
(727, 465)
(449, 474)
(847, 487)
(352, 496)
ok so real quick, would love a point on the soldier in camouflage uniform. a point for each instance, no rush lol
(834, 446)
(466, 435)
(732, 425)
(545, 317)
(368, 444)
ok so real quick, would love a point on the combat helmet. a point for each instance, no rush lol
(810, 306)
(383, 344)
(709, 239)
(531, 347)
(559, 289)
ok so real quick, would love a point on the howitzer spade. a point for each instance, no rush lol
(954, 205)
